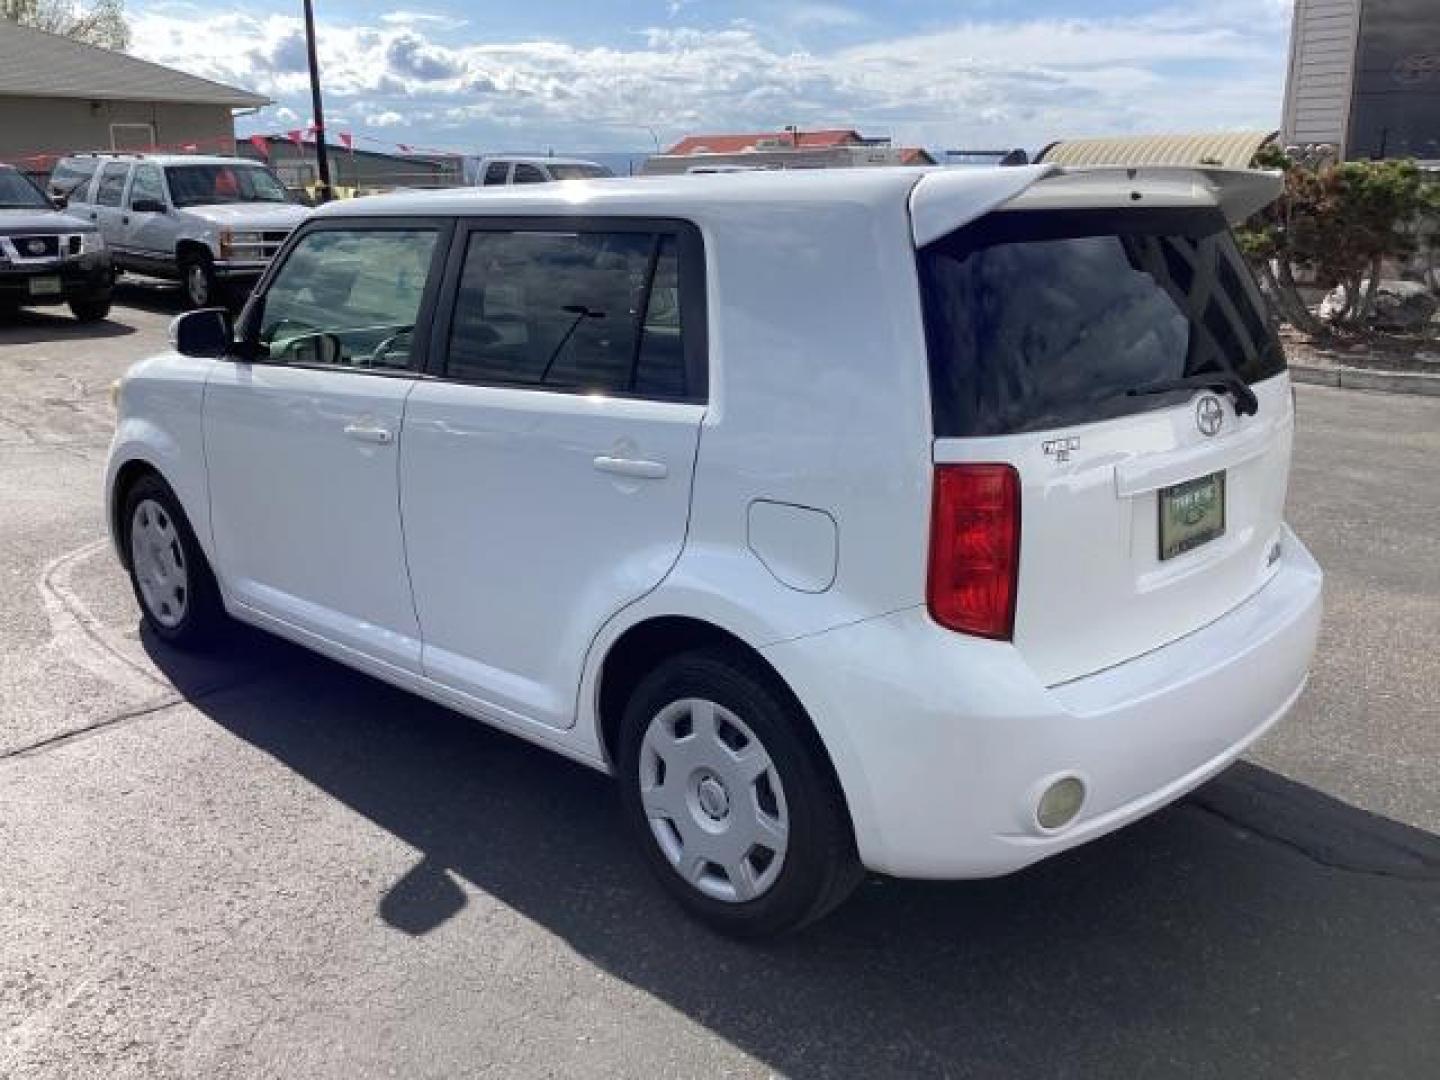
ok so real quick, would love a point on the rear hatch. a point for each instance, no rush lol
(1119, 357)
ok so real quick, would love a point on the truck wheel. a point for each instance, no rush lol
(90, 311)
(198, 281)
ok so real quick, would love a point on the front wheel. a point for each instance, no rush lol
(198, 280)
(178, 596)
(731, 800)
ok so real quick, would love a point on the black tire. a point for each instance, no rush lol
(201, 619)
(819, 868)
(90, 311)
(198, 283)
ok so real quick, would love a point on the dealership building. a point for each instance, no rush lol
(57, 95)
(1365, 77)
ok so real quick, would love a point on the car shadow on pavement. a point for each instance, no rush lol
(1256, 928)
(34, 326)
(164, 297)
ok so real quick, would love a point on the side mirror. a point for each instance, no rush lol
(59, 201)
(206, 334)
(148, 206)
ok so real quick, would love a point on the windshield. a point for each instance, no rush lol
(1043, 319)
(208, 185)
(579, 172)
(18, 193)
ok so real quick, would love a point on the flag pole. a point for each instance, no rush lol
(322, 160)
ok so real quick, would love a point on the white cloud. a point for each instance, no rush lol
(823, 17)
(1001, 83)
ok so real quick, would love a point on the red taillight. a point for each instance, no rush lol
(975, 549)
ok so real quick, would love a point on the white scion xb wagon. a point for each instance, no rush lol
(925, 522)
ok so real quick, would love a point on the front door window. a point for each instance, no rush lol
(348, 298)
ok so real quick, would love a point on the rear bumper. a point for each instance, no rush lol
(944, 743)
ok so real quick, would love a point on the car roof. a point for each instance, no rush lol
(710, 196)
(167, 159)
(937, 200)
(526, 159)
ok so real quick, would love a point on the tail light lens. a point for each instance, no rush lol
(975, 549)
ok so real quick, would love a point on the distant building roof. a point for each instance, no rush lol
(1230, 149)
(34, 63)
(766, 140)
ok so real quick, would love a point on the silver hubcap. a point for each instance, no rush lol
(198, 286)
(159, 563)
(714, 800)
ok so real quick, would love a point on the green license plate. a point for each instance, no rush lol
(1191, 514)
(44, 286)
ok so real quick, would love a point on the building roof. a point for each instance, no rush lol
(735, 144)
(1227, 149)
(34, 63)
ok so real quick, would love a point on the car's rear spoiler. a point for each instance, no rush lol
(945, 199)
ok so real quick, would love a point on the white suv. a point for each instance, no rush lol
(211, 223)
(503, 171)
(924, 522)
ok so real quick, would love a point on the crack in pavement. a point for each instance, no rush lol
(139, 712)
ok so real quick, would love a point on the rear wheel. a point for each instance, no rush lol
(178, 596)
(737, 814)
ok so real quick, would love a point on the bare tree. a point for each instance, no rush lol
(93, 22)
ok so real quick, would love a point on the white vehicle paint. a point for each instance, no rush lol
(520, 551)
(511, 169)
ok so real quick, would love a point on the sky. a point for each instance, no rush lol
(627, 75)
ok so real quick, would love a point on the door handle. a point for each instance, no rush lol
(125, 220)
(369, 433)
(644, 470)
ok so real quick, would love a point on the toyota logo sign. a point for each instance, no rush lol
(1209, 415)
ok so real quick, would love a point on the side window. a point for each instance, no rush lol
(496, 173)
(526, 173)
(148, 185)
(579, 312)
(112, 184)
(348, 297)
(73, 177)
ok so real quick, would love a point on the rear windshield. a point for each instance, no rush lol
(1045, 319)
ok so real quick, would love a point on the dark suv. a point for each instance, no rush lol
(47, 256)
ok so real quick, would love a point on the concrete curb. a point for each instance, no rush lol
(1348, 378)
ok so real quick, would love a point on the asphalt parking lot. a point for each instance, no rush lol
(263, 864)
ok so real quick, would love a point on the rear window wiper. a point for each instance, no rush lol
(1246, 403)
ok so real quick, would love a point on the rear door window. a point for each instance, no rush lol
(529, 174)
(1044, 319)
(112, 184)
(581, 312)
(72, 178)
(496, 173)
